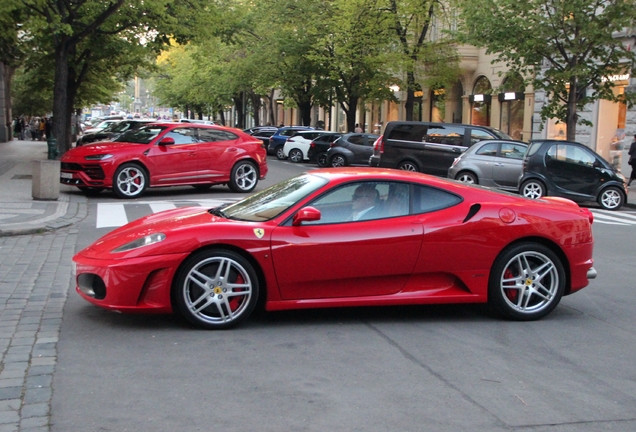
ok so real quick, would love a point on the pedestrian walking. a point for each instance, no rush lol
(358, 129)
(17, 128)
(632, 161)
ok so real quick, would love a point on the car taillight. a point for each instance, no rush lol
(312, 144)
(378, 145)
(332, 144)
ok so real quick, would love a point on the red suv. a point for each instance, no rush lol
(167, 154)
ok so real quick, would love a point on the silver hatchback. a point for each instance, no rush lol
(495, 163)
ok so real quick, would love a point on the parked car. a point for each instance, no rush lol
(206, 122)
(262, 133)
(318, 148)
(351, 149)
(490, 163)
(571, 170)
(296, 147)
(440, 241)
(167, 154)
(100, 126)
(427, 147)
(113, 130)
(277, 141)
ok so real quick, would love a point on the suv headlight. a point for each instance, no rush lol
(98, 157)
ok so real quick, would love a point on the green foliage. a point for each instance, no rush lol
(562, 46)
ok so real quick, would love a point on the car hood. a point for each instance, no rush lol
(101, 148)
(169, 222)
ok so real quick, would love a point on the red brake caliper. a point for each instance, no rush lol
(236, 301)
(512, 294)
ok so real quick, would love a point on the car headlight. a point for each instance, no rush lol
(141, 242)
(98, 157)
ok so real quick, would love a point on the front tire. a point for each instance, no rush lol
(216, 289)
(611, 198)
(526, 282)
(243, 177)
(130, 181)
(296, 156)
(532, 189)
(467, 177)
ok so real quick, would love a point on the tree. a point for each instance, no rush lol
(76, 34)
(354, 55)
(412, 22)
(567, 48)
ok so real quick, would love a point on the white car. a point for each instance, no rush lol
(297, 146)
(100, 126)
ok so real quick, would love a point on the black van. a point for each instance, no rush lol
(427, 147)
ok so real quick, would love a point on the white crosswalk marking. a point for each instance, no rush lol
(112, 215)
(613, 217)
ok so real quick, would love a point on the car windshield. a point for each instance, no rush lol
(274, 200)
(141, 136)
(119, 127)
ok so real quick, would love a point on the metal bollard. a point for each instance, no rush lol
(52, 146)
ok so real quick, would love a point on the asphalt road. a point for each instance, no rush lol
(429, 368)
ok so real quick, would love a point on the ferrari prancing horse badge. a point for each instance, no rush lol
(259, 232)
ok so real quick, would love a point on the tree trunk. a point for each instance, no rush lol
(410, 95)
(350, 112)
(572, 116)
(256, 108)
(8, 106)
(61, 115)
(305, 112)
(272, 112)
(238, 104)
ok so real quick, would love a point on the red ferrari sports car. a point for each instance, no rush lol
(373, 237)
(167, 154)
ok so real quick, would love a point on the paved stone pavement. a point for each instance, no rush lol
(35, 275)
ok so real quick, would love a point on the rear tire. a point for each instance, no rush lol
(280, 154)
(322, 160)
(295, 156)
(338, 161)
(244, 177)
(532, 189)
(409, 166)
(467, 177)
(526, 282)
(611, 198)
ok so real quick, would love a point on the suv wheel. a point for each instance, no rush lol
(338, 161)
(408, 166)
(280, 154)
(610, 198)
(296, 156)
(532, 189)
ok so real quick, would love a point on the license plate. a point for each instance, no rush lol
(66, 175)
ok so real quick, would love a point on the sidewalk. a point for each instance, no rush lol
(19, 212)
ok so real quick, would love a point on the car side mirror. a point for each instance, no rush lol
(167, 141)
(306, 214)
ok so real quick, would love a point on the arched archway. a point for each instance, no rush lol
(481, 101)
